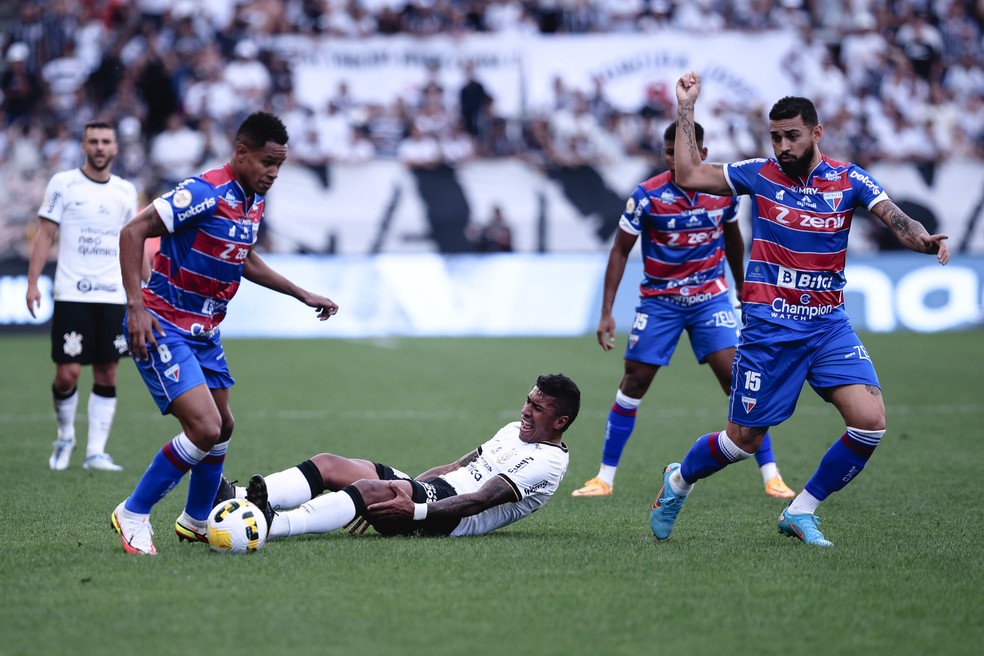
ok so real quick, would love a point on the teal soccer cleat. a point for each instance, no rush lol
(806, 527)
(667, 505)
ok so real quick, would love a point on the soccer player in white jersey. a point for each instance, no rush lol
(86, 208)
(502, 481)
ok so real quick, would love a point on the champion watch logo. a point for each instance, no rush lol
(173, 372)
(749, 403)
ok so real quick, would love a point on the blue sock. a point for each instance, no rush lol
(710, 453)
(764, 455)
(621, 421)
(165, 471)
(843, 461)
(204, 482)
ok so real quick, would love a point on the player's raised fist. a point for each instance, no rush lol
(688, 87)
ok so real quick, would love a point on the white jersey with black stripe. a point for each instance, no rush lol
(533, 470)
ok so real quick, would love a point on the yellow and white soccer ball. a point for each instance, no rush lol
(236, 526)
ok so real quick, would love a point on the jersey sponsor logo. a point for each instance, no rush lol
(793, 279)
(748, 403)
(684, 299)
(832, 176)
(182, 198)
(206, 204)
(231, 200)
(804, 190)
(725, 319)
(806, 201)
(173, 372)
(519, 465)
(53, 201)
(73, 344)
(542, 485)
(835, 222)
(85, 286)
(783, 310)
(867, 182)
(668, 197)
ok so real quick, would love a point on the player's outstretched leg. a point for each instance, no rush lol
(667, 505)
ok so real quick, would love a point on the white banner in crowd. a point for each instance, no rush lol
(519, 70)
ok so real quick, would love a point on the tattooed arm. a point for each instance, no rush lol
(910, 233)
(690, 172)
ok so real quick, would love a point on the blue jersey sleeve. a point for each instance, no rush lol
(741, 175)
(866, 188)
(188, 204)
(635, 208)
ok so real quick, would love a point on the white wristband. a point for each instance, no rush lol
(419, 511)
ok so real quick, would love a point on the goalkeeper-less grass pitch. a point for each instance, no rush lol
(581, 576)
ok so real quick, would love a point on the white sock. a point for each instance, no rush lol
(678, 485)
(804, 504)
(101, 411)
(287, 489)
(320, 515)
(65, 415)
(769, 471)
(607, 474)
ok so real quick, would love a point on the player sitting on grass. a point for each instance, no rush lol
(504, 480)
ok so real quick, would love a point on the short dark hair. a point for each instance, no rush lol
(793, 106)
(98, 125)
(566, 395)
(260, 127)
(669, 134)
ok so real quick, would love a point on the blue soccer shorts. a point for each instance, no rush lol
(179, 364)
(711, 325)
(773, 362)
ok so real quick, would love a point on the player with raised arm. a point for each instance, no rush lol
(504, 480)
(208, 226)
(86, 208)
(795, 327)
(687, 236)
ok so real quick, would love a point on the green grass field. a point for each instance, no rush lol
(582, 576)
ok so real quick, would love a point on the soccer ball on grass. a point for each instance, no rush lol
(236, 526)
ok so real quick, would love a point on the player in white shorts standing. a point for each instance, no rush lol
(504, 480)
(86, 208)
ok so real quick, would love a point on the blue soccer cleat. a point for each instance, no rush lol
(806, 527)
(667, 505)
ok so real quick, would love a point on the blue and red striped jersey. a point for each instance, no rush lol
(795, 273)
(211, 227)
(683, 238)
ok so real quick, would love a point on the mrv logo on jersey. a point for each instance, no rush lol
(793, 279)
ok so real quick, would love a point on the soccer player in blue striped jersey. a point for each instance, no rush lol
(795, 327)
(208, 226)
(686, 238)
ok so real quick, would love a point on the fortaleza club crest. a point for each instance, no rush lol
(173, 372)
(749, 403)
(633, 340)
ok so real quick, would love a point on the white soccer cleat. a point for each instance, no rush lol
(135, 531)
(62, 454)
(101, 462)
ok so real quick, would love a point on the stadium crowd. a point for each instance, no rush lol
(897, 80)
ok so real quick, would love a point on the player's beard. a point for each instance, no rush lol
(107, 164)
(800, 166)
